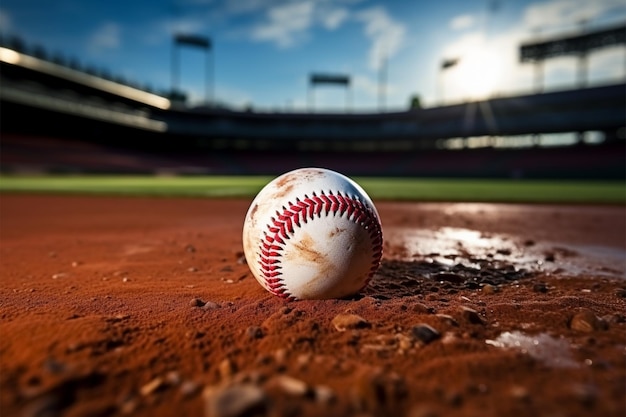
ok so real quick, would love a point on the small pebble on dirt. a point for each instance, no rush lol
(422, 309)
(226, 369)
(196, 302)
(343, 322)
(235, 401)
(586, 321)
(254, 332)
(489, 289)
(324, 394)
(152, 386)
(290, 385)
(210, 305)
(471, 315)
(189, 388)
(448, 319)
(424, 333)
(241, 258)
(519, 393)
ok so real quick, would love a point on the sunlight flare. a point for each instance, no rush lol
(477, 73)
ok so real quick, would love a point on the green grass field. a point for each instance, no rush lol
(406, 189)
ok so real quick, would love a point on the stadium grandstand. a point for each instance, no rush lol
(58, 116)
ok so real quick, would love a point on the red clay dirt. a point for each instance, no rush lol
(116, 306)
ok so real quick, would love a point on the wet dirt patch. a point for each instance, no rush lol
(475, 249)
(397, 279)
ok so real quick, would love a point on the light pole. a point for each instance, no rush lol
(445, 65)
(201, 42)
(341, 80)
(382, 84)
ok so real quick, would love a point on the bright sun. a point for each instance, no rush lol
(477, 73)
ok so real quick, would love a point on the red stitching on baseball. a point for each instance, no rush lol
(283, 223)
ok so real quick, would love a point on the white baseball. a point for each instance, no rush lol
(312, 233)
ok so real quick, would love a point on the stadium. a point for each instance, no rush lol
(90, 122)
(497, 281)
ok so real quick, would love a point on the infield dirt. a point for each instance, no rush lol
(146, 307)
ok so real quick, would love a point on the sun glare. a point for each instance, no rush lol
(477, 74)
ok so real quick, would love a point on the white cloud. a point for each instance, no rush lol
(387, 35)
(254, 6)
(248, 6)
(106, 36)
(462, 22)
(285, 24)
(559, 14)
(332, 18)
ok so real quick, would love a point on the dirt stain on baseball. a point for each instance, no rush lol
(284, 186)
(305, 250)
(336, 231)
(253, 211)
(311, 174)
(311, 288)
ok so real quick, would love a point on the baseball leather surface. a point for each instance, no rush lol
(312, 233)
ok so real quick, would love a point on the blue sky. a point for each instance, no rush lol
(265, 50)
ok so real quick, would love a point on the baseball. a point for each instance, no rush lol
(312, 233)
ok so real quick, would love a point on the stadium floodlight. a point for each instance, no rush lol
(449, 63)
(330, 79)
(580, 45)
(333, 79)
(572, 45)
(194, 41)
(446, 64)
